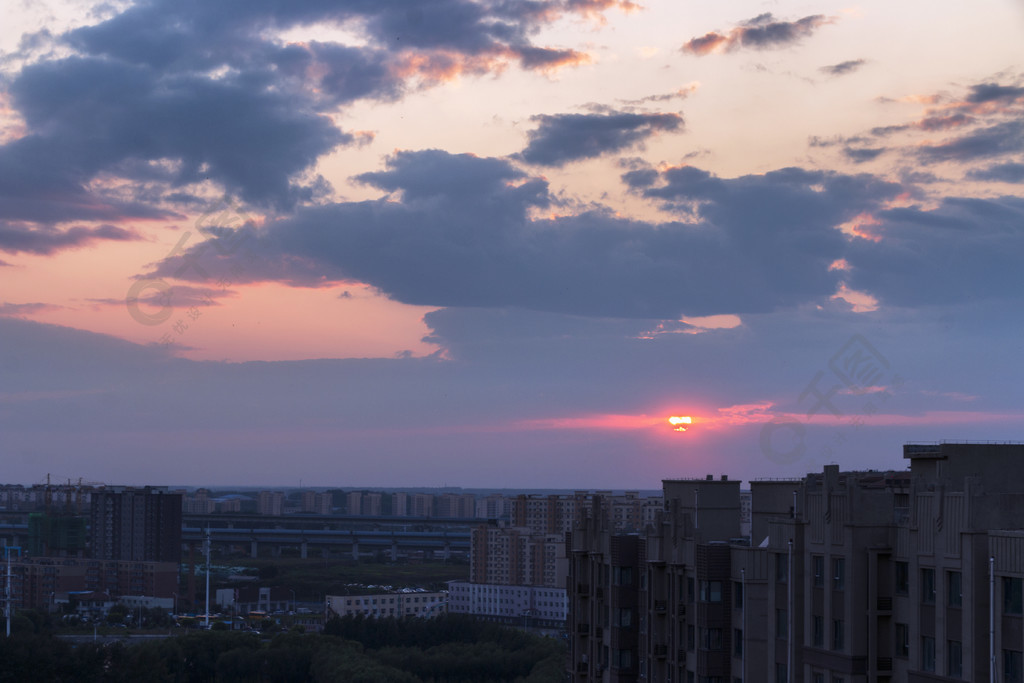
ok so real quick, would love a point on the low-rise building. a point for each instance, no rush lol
(517, 605)
(398, 604)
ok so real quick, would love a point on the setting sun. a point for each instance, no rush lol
(678, 422)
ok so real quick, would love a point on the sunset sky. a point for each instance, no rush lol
(497, 243)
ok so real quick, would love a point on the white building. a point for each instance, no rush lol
(400, 604)
(508, 602)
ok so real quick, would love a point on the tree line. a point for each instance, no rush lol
(450, 648)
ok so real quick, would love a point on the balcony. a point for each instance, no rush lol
(599, 592)
(884, 664)
(681, 609)
(582, 667)
(661, 650)
(583, 629)
(598, 632)
(884, 604)
(660, 605)
(681, 656)
(583, 588)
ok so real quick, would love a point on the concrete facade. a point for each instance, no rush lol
(845, 577)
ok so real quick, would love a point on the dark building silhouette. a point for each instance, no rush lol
(56, 535)
(138, 524)
(846, 577)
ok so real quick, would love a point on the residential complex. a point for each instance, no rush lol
(844, 577)
(135, 524)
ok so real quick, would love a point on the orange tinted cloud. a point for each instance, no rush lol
(760, 33)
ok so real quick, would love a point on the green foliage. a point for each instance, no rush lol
(117, 613)
(451, 648)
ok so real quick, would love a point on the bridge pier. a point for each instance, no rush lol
(355, 550)
(254, 549)
(447, 550)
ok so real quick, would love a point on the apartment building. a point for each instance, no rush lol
(844, 577)
(517, 556)
(41, 582)
(138, 524)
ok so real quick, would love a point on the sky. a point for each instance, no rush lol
(493, 243)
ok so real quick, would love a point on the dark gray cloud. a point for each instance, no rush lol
(563, 138)
(95, 114)
(16, 237)
(994, 92)
(505, 369)
(763, 32)
(965, 250)
(1003, 173)
(173, 93)
(7, 308)
(980, 143)
(861, 154)
(843, 68)
(459, 232)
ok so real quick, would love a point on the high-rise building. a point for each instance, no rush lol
(140, 524)
(270, 502)
(855, 577)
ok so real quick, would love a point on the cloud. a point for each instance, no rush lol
(861, 154)
(981, 143)
(843, 68)
(171, 95)
(763, 32)
(15, 237)
(1003, 173)
(563, 138)
(458, 230)
(995, 92)
(11, 309)
(965, 249)
(97, 114)
(680, 94)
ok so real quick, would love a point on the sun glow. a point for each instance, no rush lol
(678, 422)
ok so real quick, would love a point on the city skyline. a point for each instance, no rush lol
(499, 245)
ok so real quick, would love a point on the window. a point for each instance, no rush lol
(624, 617)
(622, 576)
(837, 634)
(902, 640)
(819, 678)
(711, 591)
(902, 578)
(954, 659)
(623, 659)
(818, 628)
(954, 594)
(838, 573)
(928, 586)
(780, 673)
(690, 638)
(818, 563)
(737, 595)
(781, 567)
(1011, 666)
(927, 653)
(1011, 595)
(737, 642)
(689, 588)
(711, 638)
(781, 623)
